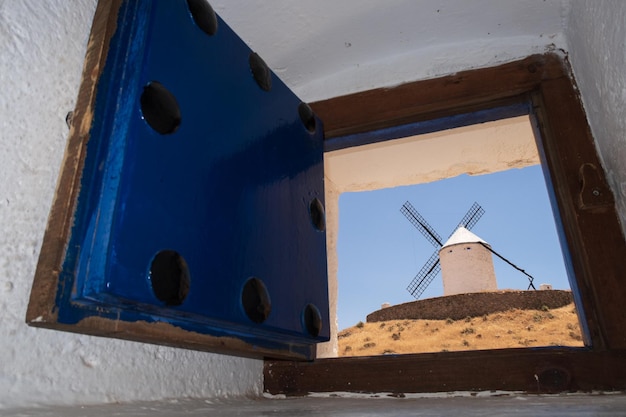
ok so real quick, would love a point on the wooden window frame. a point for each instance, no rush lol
(581, 199)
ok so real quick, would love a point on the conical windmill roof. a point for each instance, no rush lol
(462, 235)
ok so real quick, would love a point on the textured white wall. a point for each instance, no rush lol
(326, 48)
(597, 37)
(42, 45)
(476, 149)
(431, 62)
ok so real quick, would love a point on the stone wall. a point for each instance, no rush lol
(477, 304)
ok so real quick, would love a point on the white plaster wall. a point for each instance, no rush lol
(597, 37)
(42, 44)
(432, 61)
(476, 149)
(331, 201)
(327, 48)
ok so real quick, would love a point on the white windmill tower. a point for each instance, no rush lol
(466, 264)
(432, 266)
(465, 260)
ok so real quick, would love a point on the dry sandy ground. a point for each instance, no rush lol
(513, 328)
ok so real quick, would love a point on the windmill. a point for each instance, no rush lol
(432, 267)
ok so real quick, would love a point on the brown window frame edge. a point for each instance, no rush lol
(582, 200)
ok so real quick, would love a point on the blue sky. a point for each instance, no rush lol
(380, 252)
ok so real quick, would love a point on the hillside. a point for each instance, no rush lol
(507, 329)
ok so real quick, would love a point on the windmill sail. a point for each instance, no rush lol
(425, 276)
(432, 267)
(420, 224)
(471, 217)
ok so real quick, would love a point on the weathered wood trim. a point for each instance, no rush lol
(167, 334)
(529, 370)
(463, 92)
(587, 210)
(582, 199)
(41, 307)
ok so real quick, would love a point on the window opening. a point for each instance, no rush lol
(379, 252)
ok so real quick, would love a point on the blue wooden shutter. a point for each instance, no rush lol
(190, 207)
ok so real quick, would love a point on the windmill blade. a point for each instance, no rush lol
(471, 217)
(425, 276)
(420, 223)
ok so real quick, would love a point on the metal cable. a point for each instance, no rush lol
(530, 278)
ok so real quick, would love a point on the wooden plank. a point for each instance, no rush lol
(546, 370)
(41, 306)
(587, 209)
(465, 91)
